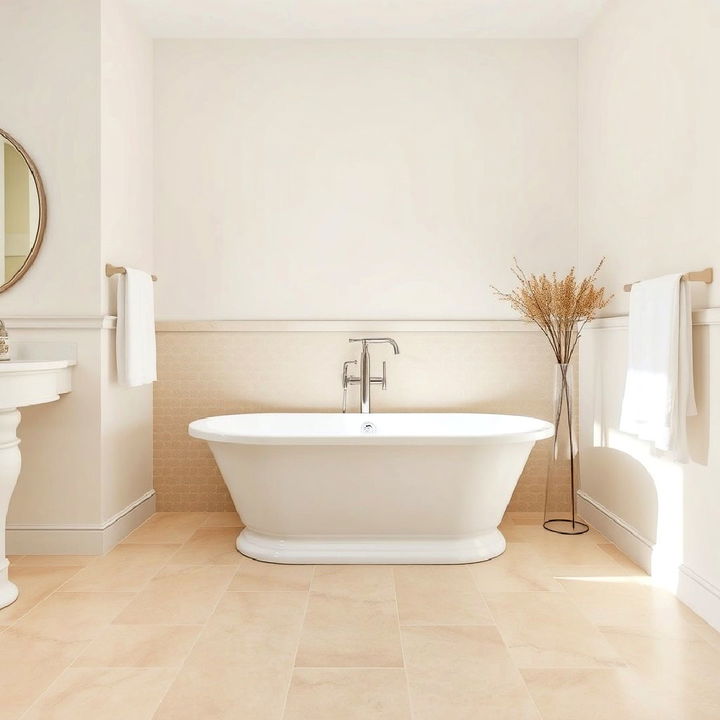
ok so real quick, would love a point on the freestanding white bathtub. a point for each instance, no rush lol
(374, 488)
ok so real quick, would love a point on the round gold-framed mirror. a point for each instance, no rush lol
(23, 211)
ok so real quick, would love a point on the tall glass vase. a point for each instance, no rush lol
(562, 475)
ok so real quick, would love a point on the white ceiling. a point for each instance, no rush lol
(365, 18)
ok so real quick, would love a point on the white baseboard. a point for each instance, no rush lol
(79, 539)
(692, 589)
(638, 548)
(699, 595)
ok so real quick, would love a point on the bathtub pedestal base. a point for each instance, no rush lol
(366, 551)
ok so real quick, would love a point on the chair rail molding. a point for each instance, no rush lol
(344, 326)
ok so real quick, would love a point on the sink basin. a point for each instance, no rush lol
(23, 382)
(31, 382)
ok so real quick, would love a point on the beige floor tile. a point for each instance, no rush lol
(209, 546)
(103, 694)
(708, 633)
(167, 527)
(546, 630)
(140, 646)
(252, 630)
(525, 518)
(602, 694)
(510, 531)
(267, 609)
(34, 583)
(621, 558)
(513, 534)
(53, 560)
(140, 553)
(112, 578)
(631, 601)
(178, 595)
(223, 519)
(518, 569)
(126, 567)
(222, 693)
(103, 577)
(463, 673)
(587, 626)
(255, 575)
(244, 648)
(556, 549)
(531, 524)
(662, 655)
(579, 572)
(682, 672)
(350, 694)
(28, 665)
(73, 616)
(362, 582)
(439, 595)
(343, 632)
(579, 552)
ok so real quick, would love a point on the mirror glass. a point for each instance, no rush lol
(22, 211)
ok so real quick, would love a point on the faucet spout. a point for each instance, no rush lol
(390, 341)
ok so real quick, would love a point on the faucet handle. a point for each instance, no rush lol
(382, 381)
(345, 377)
(346, 380)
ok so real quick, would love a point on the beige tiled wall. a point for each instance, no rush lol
(214, 373)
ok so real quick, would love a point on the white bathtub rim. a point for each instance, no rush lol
(203, 429)
(383, 550)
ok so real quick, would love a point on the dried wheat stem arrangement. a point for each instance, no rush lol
(560, 307)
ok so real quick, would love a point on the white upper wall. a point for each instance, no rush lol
(50, 102)
(360, 179)
(366, 19)
(650, 146)
(126, 145)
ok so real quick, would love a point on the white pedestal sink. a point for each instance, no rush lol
(22, 382)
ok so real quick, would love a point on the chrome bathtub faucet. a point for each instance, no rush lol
(365, 379)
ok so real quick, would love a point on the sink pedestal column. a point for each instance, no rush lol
(9, 471)
(22, 382)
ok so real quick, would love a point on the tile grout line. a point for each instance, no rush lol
(518, 669)
(135, 594)
(402, 646)
(49, 595)
(695, 630)
(53, 682)
(89, 642)
(85, 646)
(297, 646)
(181, 667)
(572, 602)
(526, 686)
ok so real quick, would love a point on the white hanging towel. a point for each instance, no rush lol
(135, 337)
(659, 390)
